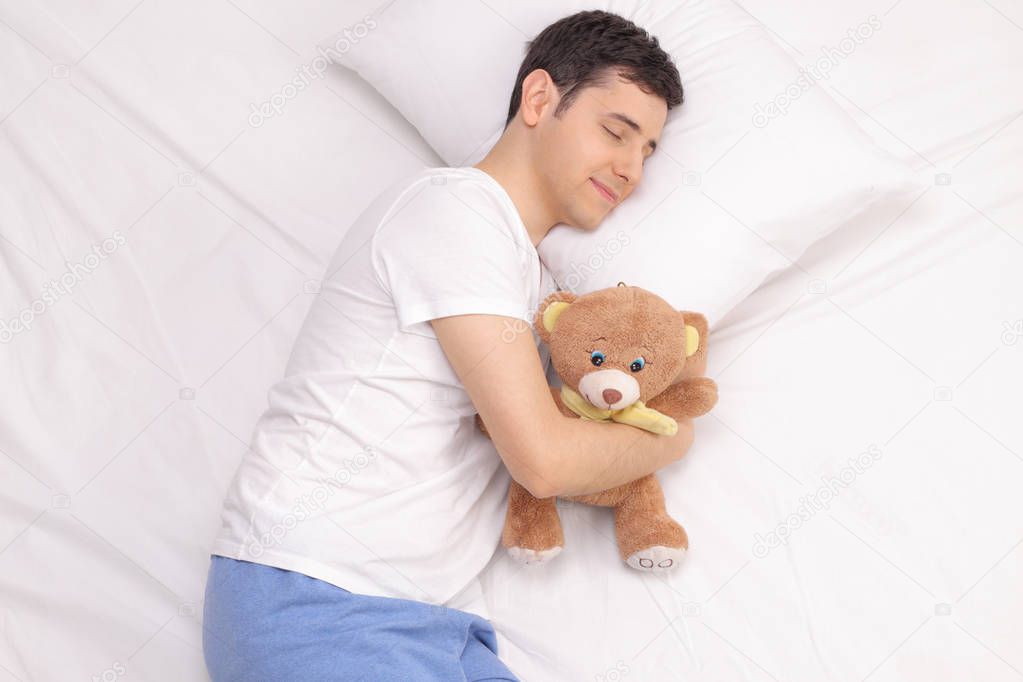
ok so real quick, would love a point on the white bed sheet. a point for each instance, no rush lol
(130, 400)
(902, 336)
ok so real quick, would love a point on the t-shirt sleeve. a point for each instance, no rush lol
(449, 250)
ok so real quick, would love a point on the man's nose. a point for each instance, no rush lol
(629, 170)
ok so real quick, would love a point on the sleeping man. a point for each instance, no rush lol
(369, 498)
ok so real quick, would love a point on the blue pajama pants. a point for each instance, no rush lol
(266, 623)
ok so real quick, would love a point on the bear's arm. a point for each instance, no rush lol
(692, 397)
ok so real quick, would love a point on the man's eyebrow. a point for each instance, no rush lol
(635, 126)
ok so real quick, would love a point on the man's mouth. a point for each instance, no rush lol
(604, 191)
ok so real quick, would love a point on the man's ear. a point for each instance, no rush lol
(696, 345)
(538, 93)
(547, 315)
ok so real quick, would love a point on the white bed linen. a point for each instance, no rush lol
(895, 340)
(130, 400)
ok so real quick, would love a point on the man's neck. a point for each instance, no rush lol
(511, 169)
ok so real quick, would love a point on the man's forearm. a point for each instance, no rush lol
(590, 456)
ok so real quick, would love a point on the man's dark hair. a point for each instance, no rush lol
(587, 49)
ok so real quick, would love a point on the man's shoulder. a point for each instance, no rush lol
(445, 184)
(444, 194)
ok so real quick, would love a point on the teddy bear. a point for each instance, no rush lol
(623, 354)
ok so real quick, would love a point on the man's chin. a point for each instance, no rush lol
(587, 223)
(597, 222)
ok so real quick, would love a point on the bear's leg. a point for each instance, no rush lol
(532, 529)
(648, 538)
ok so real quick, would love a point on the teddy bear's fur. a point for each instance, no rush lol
(624, 323)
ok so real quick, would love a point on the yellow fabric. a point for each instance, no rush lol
(692, 340)
(637, 414)
(551, 313)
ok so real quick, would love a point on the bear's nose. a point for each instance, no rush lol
(611, 396)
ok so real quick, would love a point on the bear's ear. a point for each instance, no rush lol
(547, 316)
(696, 344)
(692, 340)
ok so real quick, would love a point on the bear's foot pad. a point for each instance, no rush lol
(523, 555)
(657, 559)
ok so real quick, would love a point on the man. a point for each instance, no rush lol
(370, 499)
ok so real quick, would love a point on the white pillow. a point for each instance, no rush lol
(736, 191)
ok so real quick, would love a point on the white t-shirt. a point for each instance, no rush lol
(367, 470)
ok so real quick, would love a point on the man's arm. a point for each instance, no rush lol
(604, 455)
(550, 454)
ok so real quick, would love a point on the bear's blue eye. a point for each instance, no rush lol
(637, 364)
(597, 358)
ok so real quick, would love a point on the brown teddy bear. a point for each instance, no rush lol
(623, 354)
